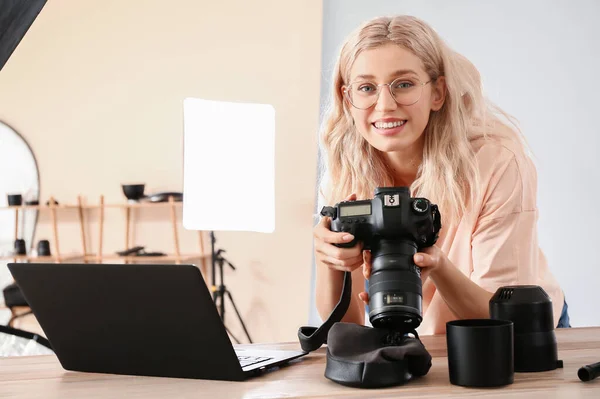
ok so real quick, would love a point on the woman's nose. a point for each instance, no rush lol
(385, 101)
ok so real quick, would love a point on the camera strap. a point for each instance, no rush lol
(365, 357)
(311, 338)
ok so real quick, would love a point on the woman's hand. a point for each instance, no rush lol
(432, 259)
(336, 258)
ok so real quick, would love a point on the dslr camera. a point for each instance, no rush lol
(394, 227)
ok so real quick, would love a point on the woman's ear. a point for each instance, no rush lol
(346, 105)
(344, 96)
(438, 93)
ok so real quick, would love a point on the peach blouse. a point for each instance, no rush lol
(498, 244)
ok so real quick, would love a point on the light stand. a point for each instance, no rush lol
(218, 260)
(207, 171)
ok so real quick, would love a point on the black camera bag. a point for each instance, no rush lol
(365, 357)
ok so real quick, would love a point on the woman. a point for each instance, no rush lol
(409, 111)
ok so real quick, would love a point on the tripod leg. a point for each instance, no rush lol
(239, 316)
(220, 304)
(237, 341)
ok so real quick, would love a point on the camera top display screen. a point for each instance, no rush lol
(355, 210)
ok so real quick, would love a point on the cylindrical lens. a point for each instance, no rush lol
(395, 288)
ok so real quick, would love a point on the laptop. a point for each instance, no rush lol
(137, 319)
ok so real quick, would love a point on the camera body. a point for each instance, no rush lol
(394, 226)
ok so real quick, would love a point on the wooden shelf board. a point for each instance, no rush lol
(42, 259)
(39, 207)
(136, 205)
(91, 257)
(94, 206)
(168, 257)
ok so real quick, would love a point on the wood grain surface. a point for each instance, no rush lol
(43, 377)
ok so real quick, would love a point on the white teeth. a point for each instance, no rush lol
(389, 125)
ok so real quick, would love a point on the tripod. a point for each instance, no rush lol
(218, 260)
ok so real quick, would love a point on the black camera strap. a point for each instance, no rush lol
(311, 338)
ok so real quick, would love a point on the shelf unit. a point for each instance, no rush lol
(176, 257)
(42, 259)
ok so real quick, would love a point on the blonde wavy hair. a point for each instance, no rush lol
(448, 173)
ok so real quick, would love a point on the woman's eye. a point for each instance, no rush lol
(367, 88)
(403, 85)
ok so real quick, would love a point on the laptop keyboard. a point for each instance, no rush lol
(250, 360)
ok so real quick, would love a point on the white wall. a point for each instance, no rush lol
(540, 62)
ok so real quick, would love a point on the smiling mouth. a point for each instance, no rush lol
(388, 125)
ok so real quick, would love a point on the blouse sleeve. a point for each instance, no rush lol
(504, 242)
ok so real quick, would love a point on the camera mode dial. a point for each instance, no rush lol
(420, 205)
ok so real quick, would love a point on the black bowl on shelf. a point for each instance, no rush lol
(14, 199)
(133, 191)
(43, 248)
(20, 247)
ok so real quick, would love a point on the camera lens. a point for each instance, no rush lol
(395, 288)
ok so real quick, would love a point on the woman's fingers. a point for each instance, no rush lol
(430, 258)
(323, 233)
(333, 251)
(353, 261)
(344, 259)
(351, 197)
(422, 259)
(367, 274)
(345, 265)
(364, 297)
(333, 256)
(367, 264)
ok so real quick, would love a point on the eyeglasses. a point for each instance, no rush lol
(405, 91)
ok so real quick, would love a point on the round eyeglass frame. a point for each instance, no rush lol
(389, 86)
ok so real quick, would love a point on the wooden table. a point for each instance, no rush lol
(43, 377)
